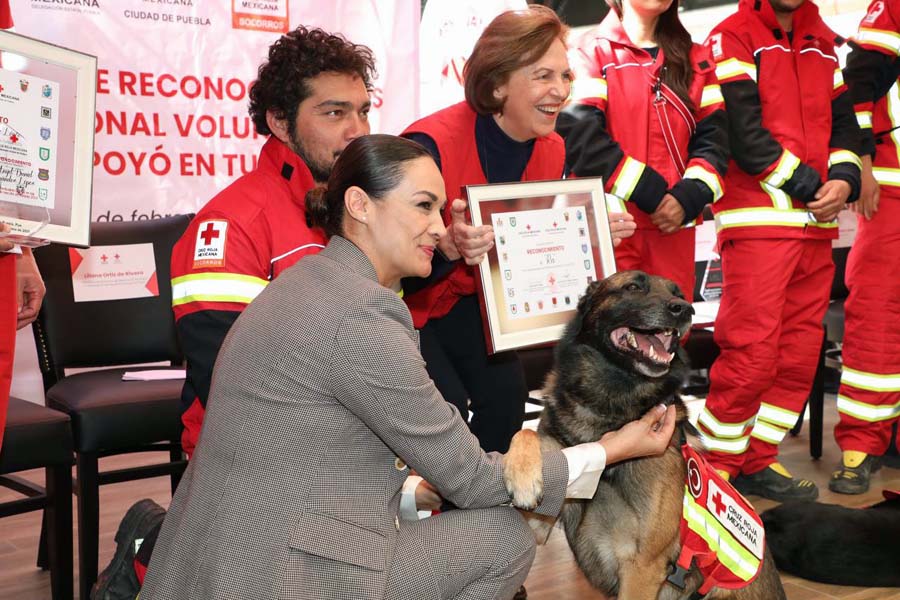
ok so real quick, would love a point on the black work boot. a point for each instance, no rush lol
(118, 581)
(775, 483)
(854, 474)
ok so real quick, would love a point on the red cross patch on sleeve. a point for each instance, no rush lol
(209, 250)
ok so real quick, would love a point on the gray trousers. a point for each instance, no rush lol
(478, 554)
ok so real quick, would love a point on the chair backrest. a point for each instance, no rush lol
(107, 332)
(838, 287)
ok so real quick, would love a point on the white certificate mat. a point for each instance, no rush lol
(546, 260)
(29, 113)
(552, 239)
(113, 272)
(47, 101)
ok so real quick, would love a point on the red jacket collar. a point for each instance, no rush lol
(806, 18)
(278, 158)
(611, 29)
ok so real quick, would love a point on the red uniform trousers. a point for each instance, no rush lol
(869, 397)
(8, 311)
(769, 330)
(667, 255)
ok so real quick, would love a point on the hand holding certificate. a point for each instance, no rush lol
(552, 239)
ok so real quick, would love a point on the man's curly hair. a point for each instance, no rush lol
(298, 56)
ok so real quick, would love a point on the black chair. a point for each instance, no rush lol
(37, 437)
(700, 346)
(111, 416)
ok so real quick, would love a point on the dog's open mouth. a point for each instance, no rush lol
(657, 346)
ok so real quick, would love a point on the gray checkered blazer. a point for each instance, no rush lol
(319, 401)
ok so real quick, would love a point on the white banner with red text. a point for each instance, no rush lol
(172, 90)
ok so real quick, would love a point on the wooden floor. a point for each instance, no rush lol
(554, 575)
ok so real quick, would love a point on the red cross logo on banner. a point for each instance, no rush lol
(717, 500)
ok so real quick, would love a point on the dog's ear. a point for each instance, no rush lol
(585, 304)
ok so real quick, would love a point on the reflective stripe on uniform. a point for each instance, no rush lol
(589, 87)
(723, 430)
(870, 381)
(867, 412)
(712, 94)
(881, 38)
(756, 217)
(780, 199)
(886, 176)
(784, 170)
(628, 177)
(710, 179)
(615, 204)
(732, 67)
(768, 432)
(844, 156)
(729, 551)
(864, 118)
(735, 446)
(777, 415)
(893, 111)
(838, 78)
(216, 287)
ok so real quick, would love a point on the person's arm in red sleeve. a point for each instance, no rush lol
(218, 268)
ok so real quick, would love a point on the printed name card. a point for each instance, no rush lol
(113, 272)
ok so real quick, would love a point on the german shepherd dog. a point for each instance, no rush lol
(619, 357)
(837, 544)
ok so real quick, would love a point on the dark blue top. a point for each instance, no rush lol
(502, 158)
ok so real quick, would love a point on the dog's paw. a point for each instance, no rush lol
(522, 470)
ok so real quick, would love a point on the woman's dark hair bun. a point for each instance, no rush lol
(373, 163)
(317, 207)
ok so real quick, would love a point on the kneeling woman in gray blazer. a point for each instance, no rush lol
(319, 406)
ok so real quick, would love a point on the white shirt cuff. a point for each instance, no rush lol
(586, 464)
(408, 510)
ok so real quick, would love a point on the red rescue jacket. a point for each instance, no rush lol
(791, 122)
(239, 241)
(627, 126)
(872, 74)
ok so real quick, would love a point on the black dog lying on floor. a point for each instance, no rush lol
(836, 544)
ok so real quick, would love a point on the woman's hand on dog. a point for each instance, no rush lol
(647, 436)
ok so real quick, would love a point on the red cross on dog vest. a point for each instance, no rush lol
(721, 534)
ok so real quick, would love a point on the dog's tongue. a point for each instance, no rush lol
(660, 349)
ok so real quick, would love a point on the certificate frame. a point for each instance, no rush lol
(67, 218)
(571, 223)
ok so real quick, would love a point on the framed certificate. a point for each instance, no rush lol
(552, 239)
(47, 102)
